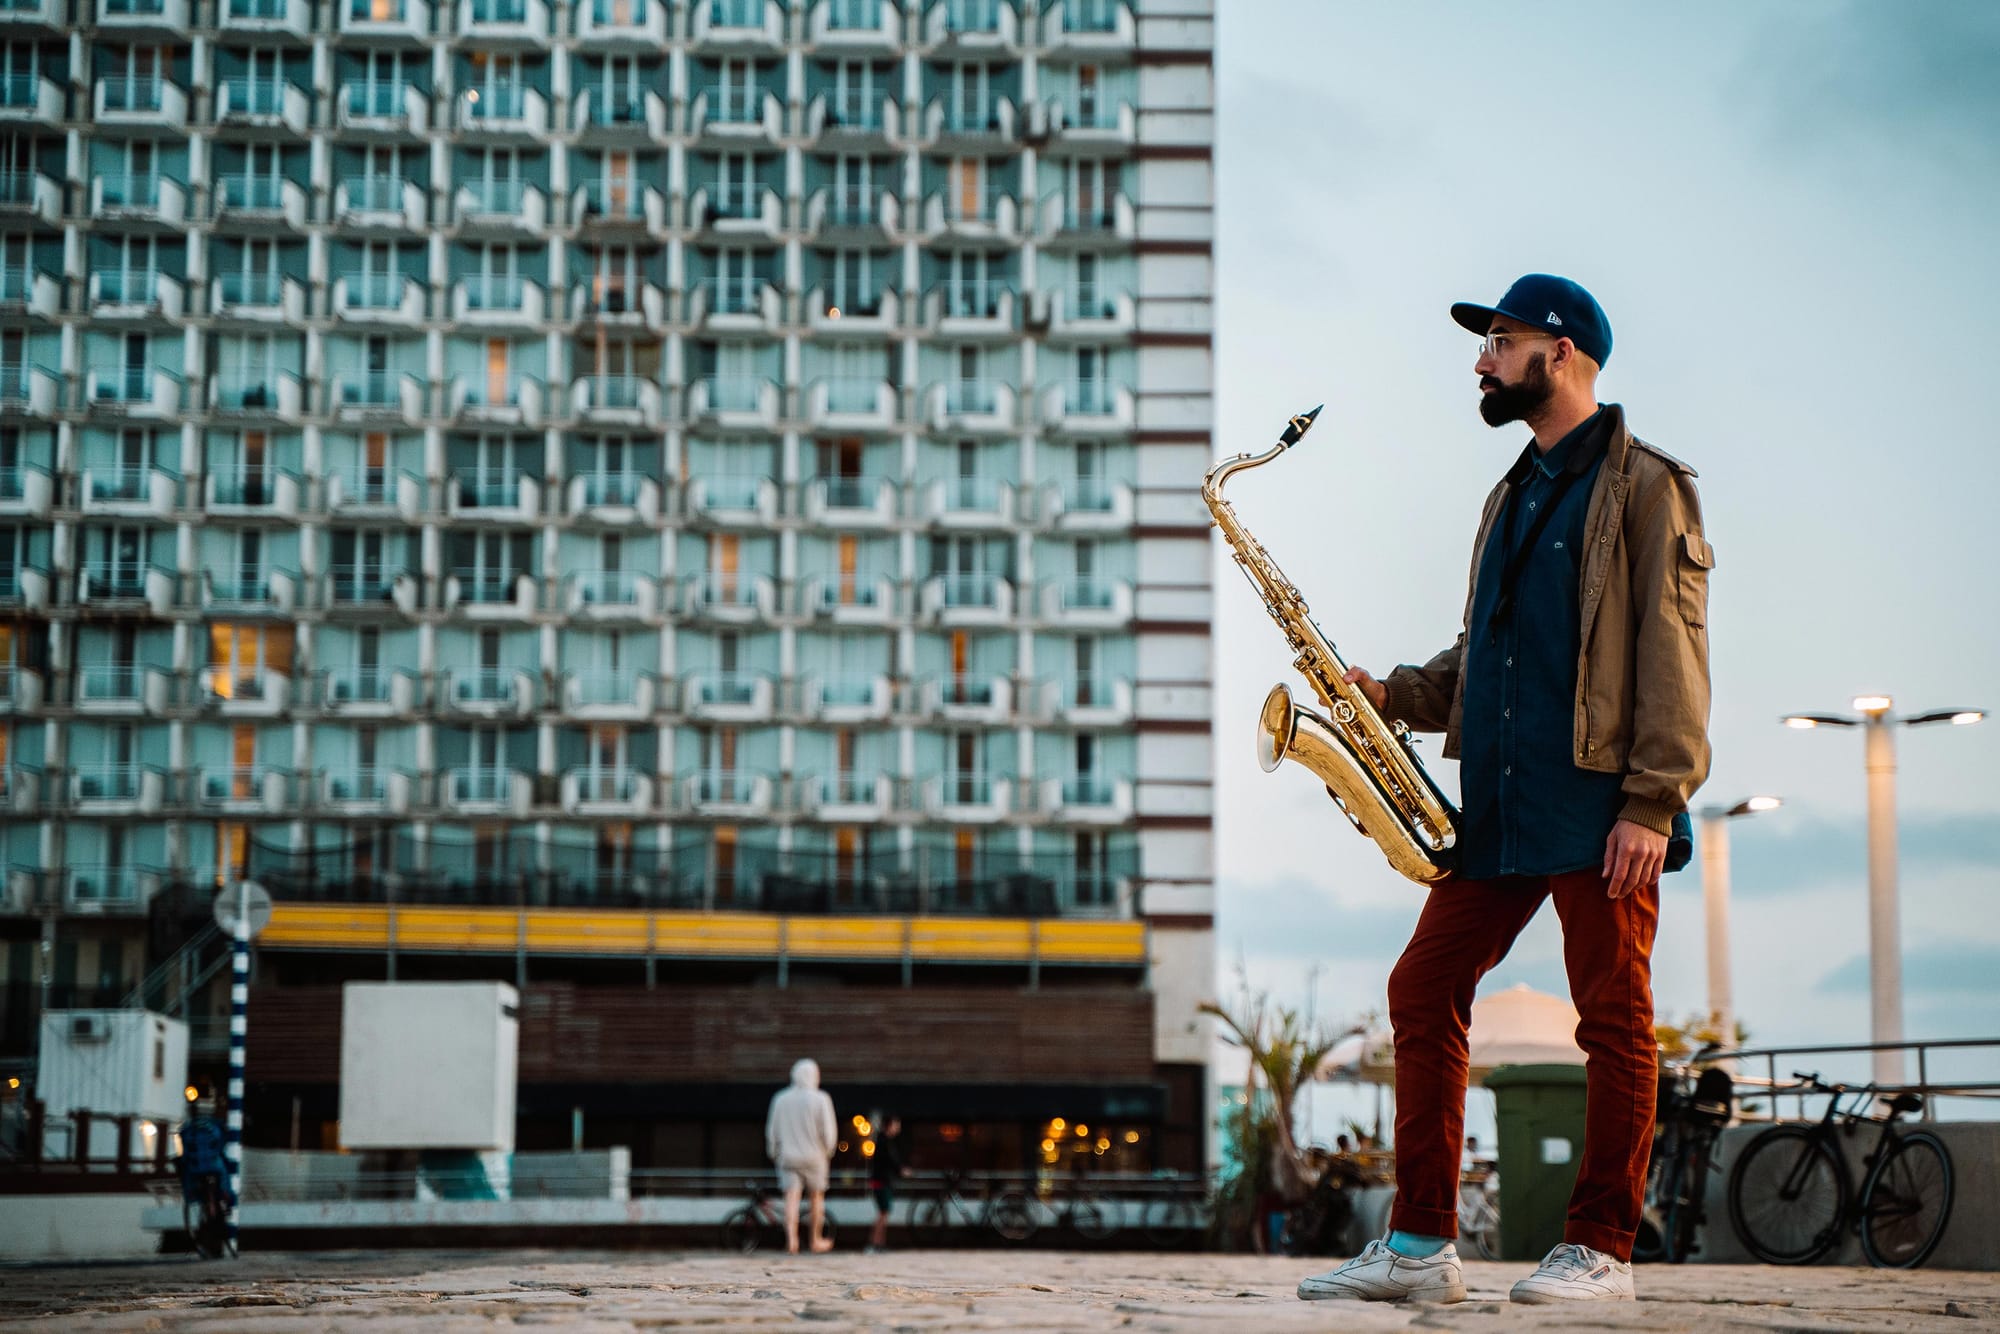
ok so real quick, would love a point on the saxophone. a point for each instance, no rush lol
(1369, 766)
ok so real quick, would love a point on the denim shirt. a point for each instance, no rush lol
(1527, 809)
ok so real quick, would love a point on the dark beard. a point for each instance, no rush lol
(1520, 400)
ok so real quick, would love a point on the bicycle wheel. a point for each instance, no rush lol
(1906, 1201)
(1690, 1186)
(1479, 1220)
(1092, 1218)
(1788, 1196)
(743, 1231)
(1167, 1222)
(929, 1214)
(1012, 1216)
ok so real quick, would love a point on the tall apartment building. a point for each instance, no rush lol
(691, 507)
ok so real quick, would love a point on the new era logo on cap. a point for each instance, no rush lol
(1555, 318)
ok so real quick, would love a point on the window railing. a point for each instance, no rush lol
(730, 688)
(724, 785)
(360, 783)
(1090, 495)
(602, 784)
(736, 13)
(495, 291)
(499, 11)
(972, 495)
(970, 396)
(721, 588)
(852, 493)
(486, 586)
(1087, 790)
(616, 108)
(739, 295)
(366, 484)
(970, 590)
(251, 289)
(618, 13)
(847, 789)
(375, 291)
(857, 109)
(616, 391)
(610, 488)
(375, 100)
(129, 189)
(125, 93)
(608, 588)
(966, 788)
(18, 187)
(256, 9)
(376, 194)
(127, 384)
(363, 582)
(614, 199)
(489, 488)
(19, 90)
(853, 394)
(255, 97)
(972, 15)
(482, 784)
(1090, 398)
(971, 299)
(109, 780)
(847, 690)
(852, 207)
(242, 484)
(376, 389)
(735, 393)
(120, 287)
(152, 8)
(376, 11)
(489, 685)
(245, 191)
(850, 15)
(118, 682)
(501, 101)
(496, 196)
(102, 580)
(732, 491)
(1089, 593)
(1090, 16)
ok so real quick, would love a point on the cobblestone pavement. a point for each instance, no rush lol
(916, 1291)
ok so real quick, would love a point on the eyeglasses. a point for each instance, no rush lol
(1493, 343)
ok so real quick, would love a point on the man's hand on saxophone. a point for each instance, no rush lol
(1378, 694)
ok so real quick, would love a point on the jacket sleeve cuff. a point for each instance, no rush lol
(1402, 701)
(1657, 816)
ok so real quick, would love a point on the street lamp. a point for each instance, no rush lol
(1715, 902)
(1885, 950)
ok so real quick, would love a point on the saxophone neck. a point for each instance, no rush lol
(1295, 430)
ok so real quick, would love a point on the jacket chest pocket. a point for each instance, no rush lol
(1697, 558)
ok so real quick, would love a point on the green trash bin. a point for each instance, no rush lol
(1539, 1109)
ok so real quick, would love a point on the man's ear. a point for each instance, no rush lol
(1565, 354)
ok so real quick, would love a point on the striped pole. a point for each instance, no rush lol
(239, 1025)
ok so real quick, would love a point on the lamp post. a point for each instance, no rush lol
(1715, 902)
(1885, 949)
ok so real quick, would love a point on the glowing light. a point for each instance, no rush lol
(472, 94)
(1969, 716)
(1048, 1146)
(861, 1124)
(1131, 1137)
(1056, 1123)
(843, 1147)
(192, 1092)
(1082, 1130)
(1802, 724)
(833, 312)
(1763, 803)
(867, 1148)
(1103, 1143)
(13, 1083)
(1872, 703)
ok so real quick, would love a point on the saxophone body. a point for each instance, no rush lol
(1370, 766)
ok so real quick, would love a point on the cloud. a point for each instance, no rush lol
(1799, 852)
(1937, 970)
(1291, 918)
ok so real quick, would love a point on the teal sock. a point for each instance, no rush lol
(1411, 1246)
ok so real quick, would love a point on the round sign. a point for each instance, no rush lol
(229, 901)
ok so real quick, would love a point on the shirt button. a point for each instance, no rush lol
(1531, 504)
(1506, 713)
(1559, 546)
(1510, 662)
(1508, 771)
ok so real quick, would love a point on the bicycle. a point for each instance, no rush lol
(1692, 1113)
(1790, 1197)
(1168, 1220)
(205, 1215)
(1479, 1212)
(1006, 1212)
(759, 1223)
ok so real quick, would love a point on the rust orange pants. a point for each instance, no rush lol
(1466, 928)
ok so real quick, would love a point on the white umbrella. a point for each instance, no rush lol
(1518, 1026)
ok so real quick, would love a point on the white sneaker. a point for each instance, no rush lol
(1573, 1273)
(1378, 1274)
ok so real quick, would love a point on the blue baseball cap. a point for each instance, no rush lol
(1544, 301)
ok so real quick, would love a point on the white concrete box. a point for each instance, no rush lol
(113, 1063)
(428, 1065)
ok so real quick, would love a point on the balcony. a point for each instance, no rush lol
(378, 299)
(370, 790)
(379, 201)
(46, 13)
(853, 315)
(613, 595)
(138, 197)
(398, 110)
(852, 405)
(753, 214)
(734, 402)
(139, 490)
(494, 493)
(989, 127)
(972, 28)
(498, 301)
(362, 490)
(1087, 314)
(263, 104)
(1087, 799)
(729, 697)
(969, 699)
(30, 390)
(844, 798)
(734, 599)
(621, 117)
(110, 890)
(38, 195)
(852, 600)
(618, 302)
(399, 21)
(990, 220)
(123, 587)
(862, 27)
(975, 504)
(851, 502)
(609, 696)
(137, 390)
(501, 205)
(20, 789)
(1087, 602)
(262, 297)
(379, 394)
(26, 490)
(749, 26)
(1092, 701)
(1081, 125)
(262, 203)
(246, 692)
(268, 393)
(631, 400)
(1089, 408)
(967, 798)
(611, 791)
(743, 305)
(258, 789)
(1088, 30)
(490, 595)
(619, 203)
(852, 217)
(733, 501)
(20, 690)
(122, 17)
(727, 793)
(622, 25)
(30, 97)
(614, 498)
(976, 406)
(851, 698)
(488, 791)
(972, 310)
(853, 120)
(491, 692)
(128, 294)
(290, 17)
(236, 490)
(368, 692)
(1089, 505)
(27, 589)
(967, 600)
(116, 788)
(140, 103)
(504, 22)
(502, 111)
(1088, 225)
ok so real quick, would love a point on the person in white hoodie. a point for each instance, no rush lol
(800, 1135)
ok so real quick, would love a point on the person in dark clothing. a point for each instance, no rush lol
(884, 1170)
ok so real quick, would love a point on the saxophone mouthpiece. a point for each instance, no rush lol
(1296, 428)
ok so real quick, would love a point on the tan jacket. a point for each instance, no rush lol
(1642, 672)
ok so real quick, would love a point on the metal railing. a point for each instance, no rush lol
(1770, 1086)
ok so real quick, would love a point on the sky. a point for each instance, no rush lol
(1786, 211)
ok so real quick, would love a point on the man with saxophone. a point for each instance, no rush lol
(1576, 697)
